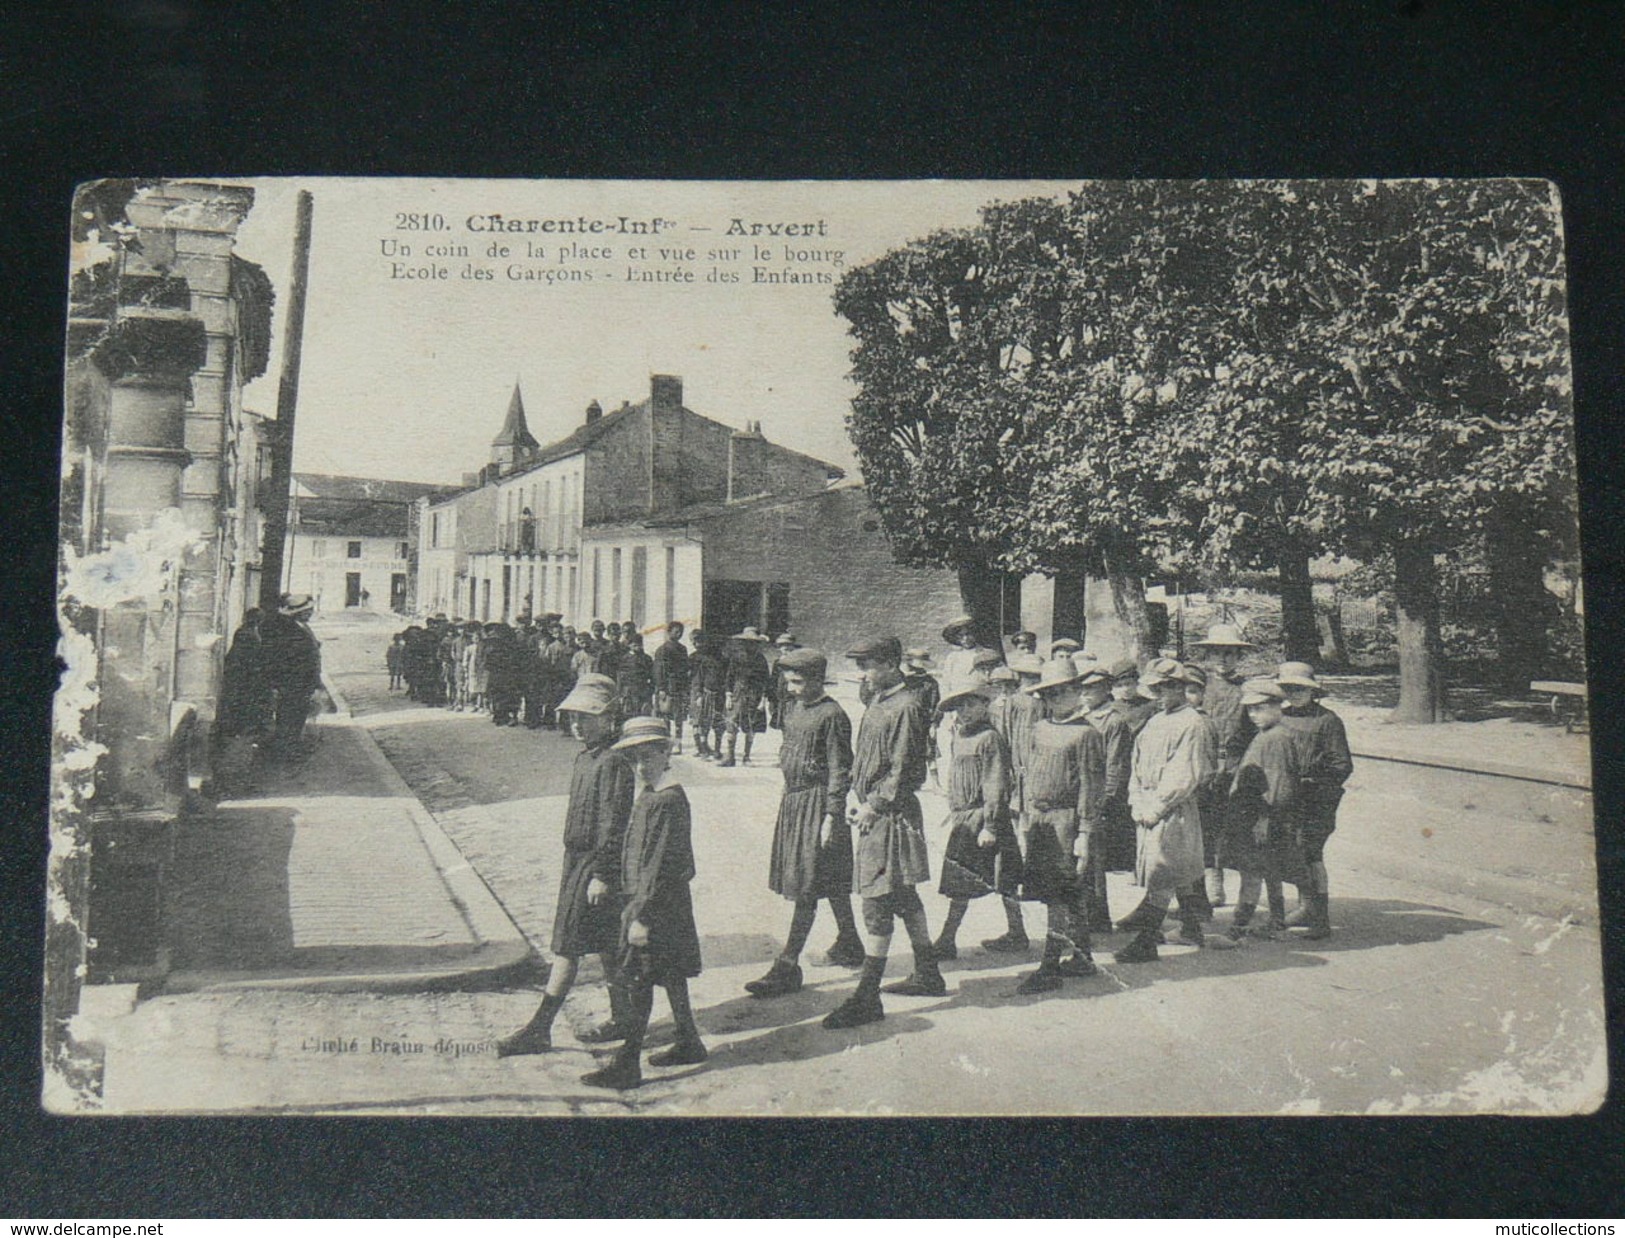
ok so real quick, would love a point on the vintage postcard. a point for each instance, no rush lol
(820, 648)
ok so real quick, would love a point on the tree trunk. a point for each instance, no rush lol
(1069, 613)
(1520, 606)
(980, 592)
(1119, 623)
(1300, 635)
(1421, 654)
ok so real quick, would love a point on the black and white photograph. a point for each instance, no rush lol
(820, 649)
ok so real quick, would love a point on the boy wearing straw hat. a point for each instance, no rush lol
(1115, 852)
(588, 917)
(747, 682)
(1066, 780)
(1327, 764)
(889, 854)
(1221, 652)
(1172, 759)
(812, 842)
(659, 943)
(981, 855)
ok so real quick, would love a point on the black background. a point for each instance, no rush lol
(172, 87)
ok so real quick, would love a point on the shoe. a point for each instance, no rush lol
(944, 948)
(855, 1011)
(846, 952)
(605, 1033)
(1044, 980)
(1145, 916)
(1215, 887)
(1007, 943)
(1189, 935)
(1143, 949)
(526, 1040)
(726, 763)
(622, 1074)
(1195, 903)
(1080, 966)
(1320, 920)
(683, 1053)
(781, 978)
(926, 981)
(1299, 916)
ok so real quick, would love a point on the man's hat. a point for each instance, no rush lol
(1030, 638)
(1064, 644)
(1057, 673)
(881, 648)
(643, 730)
(809, 662)
(986, 657)
(1225, 636)
(961, 624)
(1003, 674)
(1090, 671)
(1123, 668)
(1027, 664)
(750, 633)
(965, 692)
(1261, 692)
(295, 604)
(1195, 674)
(592, 694)
(1298, 675)
(1159, 671)
(786, 639)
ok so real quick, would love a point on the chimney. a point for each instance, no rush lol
(747, 462)
(595, 410)
(666, 391)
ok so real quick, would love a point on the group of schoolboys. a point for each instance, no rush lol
(1059, 771)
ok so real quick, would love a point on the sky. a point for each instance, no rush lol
(409, 378)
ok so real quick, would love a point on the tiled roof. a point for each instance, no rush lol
(370, 489)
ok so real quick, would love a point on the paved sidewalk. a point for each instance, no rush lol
(332, 877)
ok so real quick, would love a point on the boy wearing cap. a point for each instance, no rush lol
(588, 918)
(1172, 759)
(635, 680)
(919, 680)
(1012, 713)
(778, 697)
(889, 854)
(1259, 834)
(1327, 764)
(1066, 779)
(1133, 706)
(671, 678)
(659, 943)
(747, 682)
(1221, 652)
(1117, 842)
(812, 842)
(981, 855)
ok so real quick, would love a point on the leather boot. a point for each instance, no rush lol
(1143, 949)
(1320, 918)
(537, 1035)
(683, 1053)
(864, 1004)
(926, 981)
(846, 952)
(728, 758)
(614, 1027)
(1007, 943)
(623, 1072)
(781, 978)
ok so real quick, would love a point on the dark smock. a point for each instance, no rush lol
(1233, 731)
(978, 799)
(888, 769)
(747, 683)
(708, 684)
(1323, 746)
(671, 680)
(1122, 836)
(1261, 814)
(601, 789)
(657, 863)
(816, 760)
(1066, 784)
(635, 683)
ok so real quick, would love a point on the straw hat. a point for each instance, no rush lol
(1261, 691)
(951, 633)
(1090, 671)
(785, 641)
(1225, 636)
(592, 694)
(1195, 674)
(986, 657)
(750, 633)
(1298, 675)
(1027, 664)
(1064, 644)
(639, 731)
(1003, 674)
(965, 692)
(296, 604)
(1057, 673)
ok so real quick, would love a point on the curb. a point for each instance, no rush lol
(1475, 765)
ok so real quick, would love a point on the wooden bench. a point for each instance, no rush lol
(1568, 702)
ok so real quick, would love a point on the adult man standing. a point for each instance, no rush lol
(1327, 764)
(1221, 652)
(812, 841)
(293, 661)
(588, 919)
(747, 683)
(889, 856)
(671, 676)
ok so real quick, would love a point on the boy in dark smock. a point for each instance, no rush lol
(1118, 839)
(1327, 764)
(1221, 652)
(588, 918)
(747, 683)
(1066, 780)
(1013, 714)
(659, 942)
(671, 672)
(709, 684)
(635, 680)
(812, 842)
(889, 856)
(981, 855)
(1259, 838)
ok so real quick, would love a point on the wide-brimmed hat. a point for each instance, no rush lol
(785, 638)
(295, 603)
(961, 624)
(1225, 636)
(1027, 664)
(1195, 674)
(964, 692)
(1123, 668)
(885, 648)
(917, 654)
(750, 633)
(1298, 675)
(1261, 691)
(986, 657)
(643, 730)
(1057, 673)
(1159, 671)
(592, 694)
(1003, 674)
(1090, 671)
(1064, 644)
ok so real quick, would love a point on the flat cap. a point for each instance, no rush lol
(883, 648)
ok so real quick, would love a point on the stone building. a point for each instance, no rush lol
(160, 547)
(349, 541)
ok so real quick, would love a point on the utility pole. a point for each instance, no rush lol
(280, 488)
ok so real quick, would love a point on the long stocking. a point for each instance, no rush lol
(846, 925)
(957, 907)
(682, 1010)
(801, 924)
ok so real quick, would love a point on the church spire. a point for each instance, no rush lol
(514, 442)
